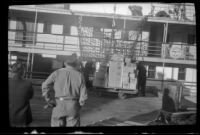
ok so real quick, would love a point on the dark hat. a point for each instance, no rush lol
(72, 58)
(69, 59)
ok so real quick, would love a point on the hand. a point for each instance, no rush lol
(81, 103)
(46, 96)
(47, 106)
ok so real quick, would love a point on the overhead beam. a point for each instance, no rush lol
(92, 14)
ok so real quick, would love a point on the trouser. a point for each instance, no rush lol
(65, 121)
(66, 114)
(142, 86)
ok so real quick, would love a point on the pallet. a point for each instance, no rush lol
(122, 93)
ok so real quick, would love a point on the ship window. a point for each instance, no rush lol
(29, 34)
(168, 38)
(47, 28)
(19, 25)
(107, 33)
(191, 39)
(56, 29)
(19, 33)
(118, 34)
(40, 27)
(131, 35)
(66, 30)
(151, 72)
(74, 30)
(181, 74)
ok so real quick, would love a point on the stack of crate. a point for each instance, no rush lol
(129, 79)
(122, 74)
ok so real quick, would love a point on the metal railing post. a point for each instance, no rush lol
(34, 43)
(27, 65)
(165, 39)
(9, 57)
(180, 95)
(63, 47)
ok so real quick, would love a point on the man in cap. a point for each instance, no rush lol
(141, 85)
(70, 94)
(20, 93)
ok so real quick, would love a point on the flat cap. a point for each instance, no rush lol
(71, 59)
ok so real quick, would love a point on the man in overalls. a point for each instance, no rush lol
(70, 94)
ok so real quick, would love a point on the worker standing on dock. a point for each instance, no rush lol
(70, 94)
(141, 77)
(89, 70)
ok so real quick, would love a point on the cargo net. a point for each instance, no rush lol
(103, 43)
(90, 47)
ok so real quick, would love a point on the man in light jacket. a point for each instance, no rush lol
(70, 94)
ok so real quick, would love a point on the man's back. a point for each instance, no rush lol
(70, 93)
(67, 82)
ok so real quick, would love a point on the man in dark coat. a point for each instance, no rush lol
(20, 93)
(89, 70)
(141, 85)
(70, 94)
